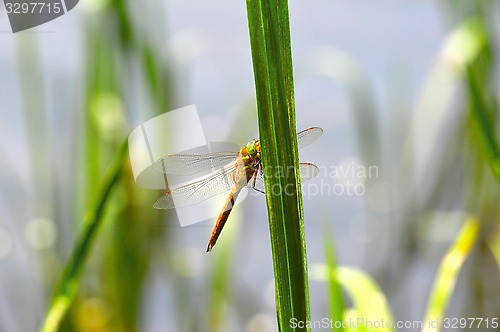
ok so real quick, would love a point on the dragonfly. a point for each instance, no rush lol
(234, 171)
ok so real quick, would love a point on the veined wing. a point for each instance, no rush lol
(189, 164)
(308, 171)
(196, 192)
(307, 136)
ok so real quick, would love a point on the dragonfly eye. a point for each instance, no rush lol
(251, 149)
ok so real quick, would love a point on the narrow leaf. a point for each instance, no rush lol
(447, 275)
(337, 305)
(67, 287)
(269, 30)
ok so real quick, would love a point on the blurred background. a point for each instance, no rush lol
(386, 82)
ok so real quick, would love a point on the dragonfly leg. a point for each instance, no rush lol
(261, 191)
(255, 180)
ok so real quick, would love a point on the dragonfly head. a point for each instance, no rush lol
(253, 147)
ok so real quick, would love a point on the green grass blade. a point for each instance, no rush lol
(35, 115)
(484, 123)
(272, 62)
(448, 273)
(337, 305)
(369, 302)
(67, 287)
(370, 305)
(494, 245)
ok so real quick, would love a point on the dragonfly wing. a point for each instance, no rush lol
(308, 171)
(189, 164)
(307, 136)
(199, 191)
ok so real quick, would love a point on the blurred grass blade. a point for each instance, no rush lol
(448, 273)
(337, 305)
(269, 30)
(351, 315)
(369, 302)
(494, 245)
(483, 119)
(35, 115)
(343, 68)
(461, 47)
(67, 287)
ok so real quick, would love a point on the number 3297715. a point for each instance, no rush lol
(33, 8)
(471, 323)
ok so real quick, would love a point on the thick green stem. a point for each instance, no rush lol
(272, 62)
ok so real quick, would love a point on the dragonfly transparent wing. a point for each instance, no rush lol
(186, 164)
(307, 136)
(189, 164)
(307, 172)
(199, 191)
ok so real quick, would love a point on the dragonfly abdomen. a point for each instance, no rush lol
(223, 216)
